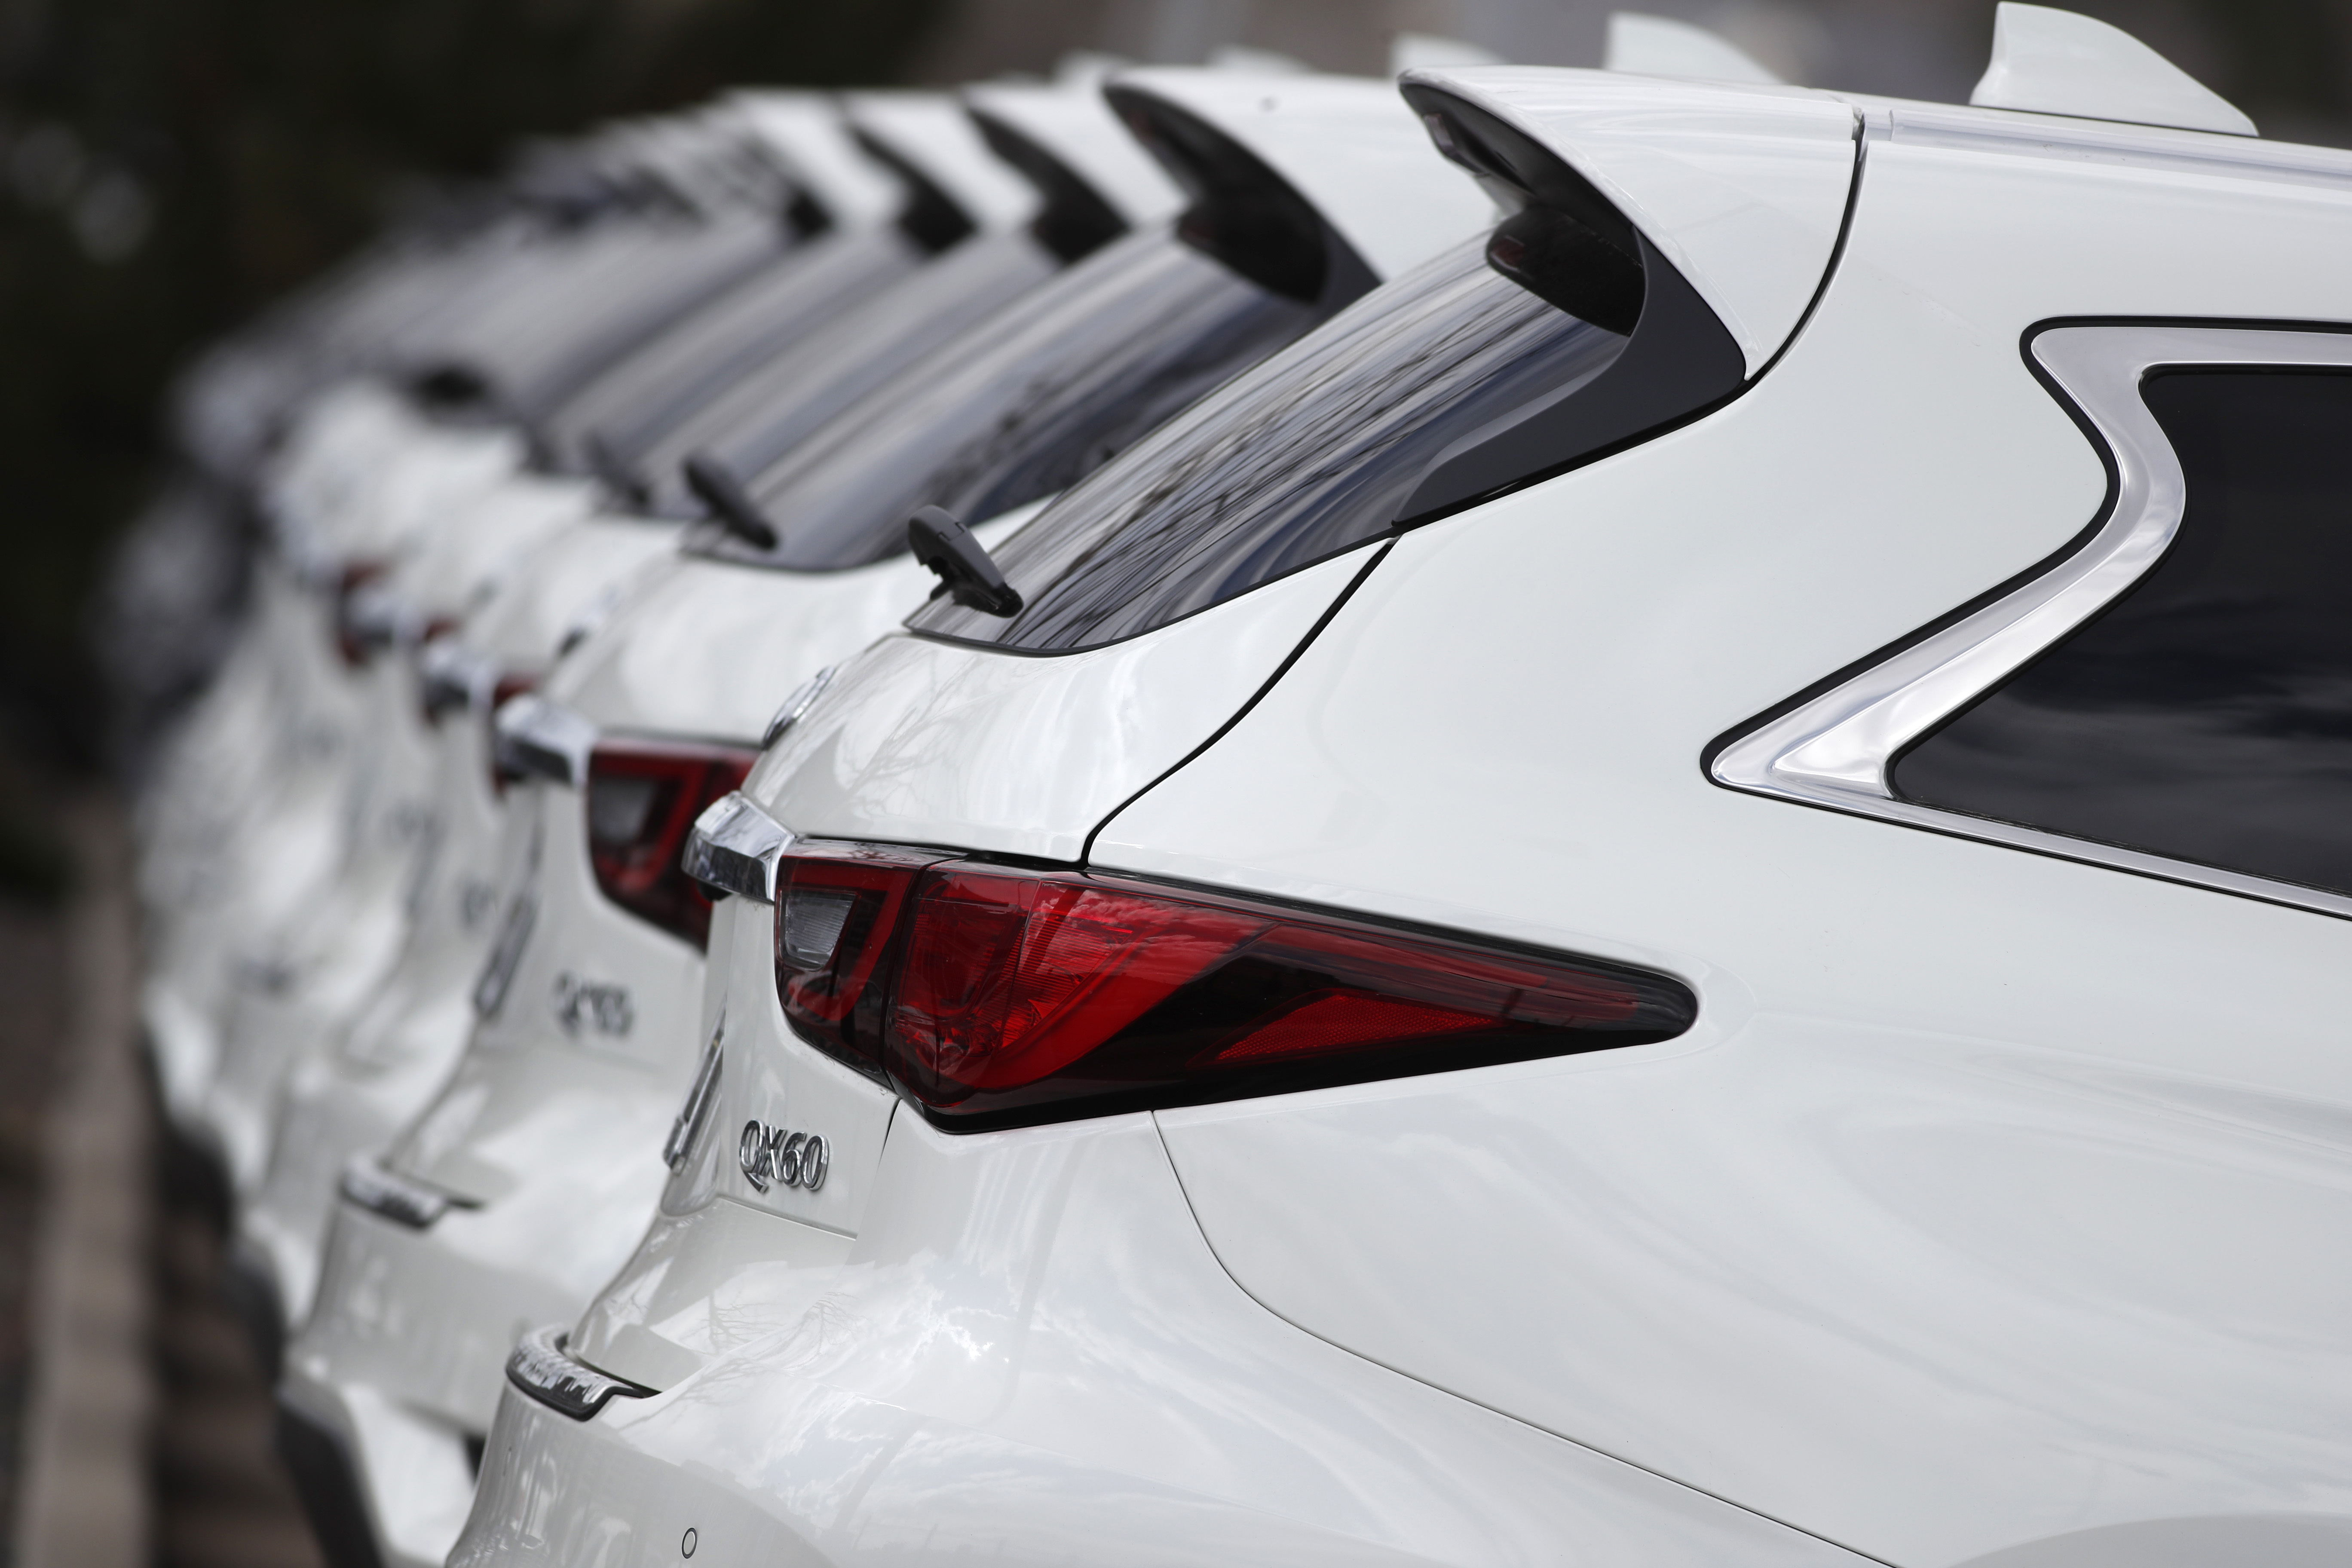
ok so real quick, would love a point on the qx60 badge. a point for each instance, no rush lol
(770, 1156)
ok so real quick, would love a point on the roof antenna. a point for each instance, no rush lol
(2058, 62)
(1641, 44)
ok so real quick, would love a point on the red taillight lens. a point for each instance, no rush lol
(1010, 980)
(643, 797)
(1022, 998)
(995, 998)
(840, 910)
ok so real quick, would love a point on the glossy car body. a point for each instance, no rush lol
(512, 575)
(551, 1128)
(1982, 1213)
(357, 475)
(416, 1402)
(431, 517)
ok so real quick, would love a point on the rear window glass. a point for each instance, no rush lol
(611, 422)
(540, 368)
(749, 426)
(2207, 715)
(1022, 407)
(1312, 452)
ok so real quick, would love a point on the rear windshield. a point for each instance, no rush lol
(1026, 406)
(610, 424)
(755, 422)
(1309, 454)
(540, 365)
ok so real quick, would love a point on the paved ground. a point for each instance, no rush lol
(219, 1495)
(134, 1420)
(34, 984)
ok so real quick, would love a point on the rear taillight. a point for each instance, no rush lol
(503, 691)
(362, 612)
(1015, 998)
(643, 797)
(840, 909)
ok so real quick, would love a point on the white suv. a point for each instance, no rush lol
(1704, 926)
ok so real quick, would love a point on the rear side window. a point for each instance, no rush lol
(1312, 452)
(2206, 715)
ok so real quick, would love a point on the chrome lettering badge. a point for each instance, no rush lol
(595, 1004)
(771, 1155)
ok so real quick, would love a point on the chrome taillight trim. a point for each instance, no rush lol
(542, 1368)
(536, 738)
(1835, 751)
(369, 1185)
(455, 676)
(734, 848)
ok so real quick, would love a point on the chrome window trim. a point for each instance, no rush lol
(542, 1368)
(1836, 750)
(540, 739)
(734, 849)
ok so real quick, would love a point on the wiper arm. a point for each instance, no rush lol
(966, 572)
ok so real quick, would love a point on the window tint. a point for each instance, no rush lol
(541, 366)
(1315, 450)
(759, 419)
(1023, 406)
(610, 424)
(2207, 715)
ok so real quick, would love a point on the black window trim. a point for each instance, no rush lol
(1834, 745)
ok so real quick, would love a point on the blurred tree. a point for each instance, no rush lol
(167, 166)
(2289, 63)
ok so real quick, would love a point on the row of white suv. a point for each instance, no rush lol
(1615, 834)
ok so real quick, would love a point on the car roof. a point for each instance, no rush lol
(1344, 143)
(805, 132)
(931, 133)
(1074, 126)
